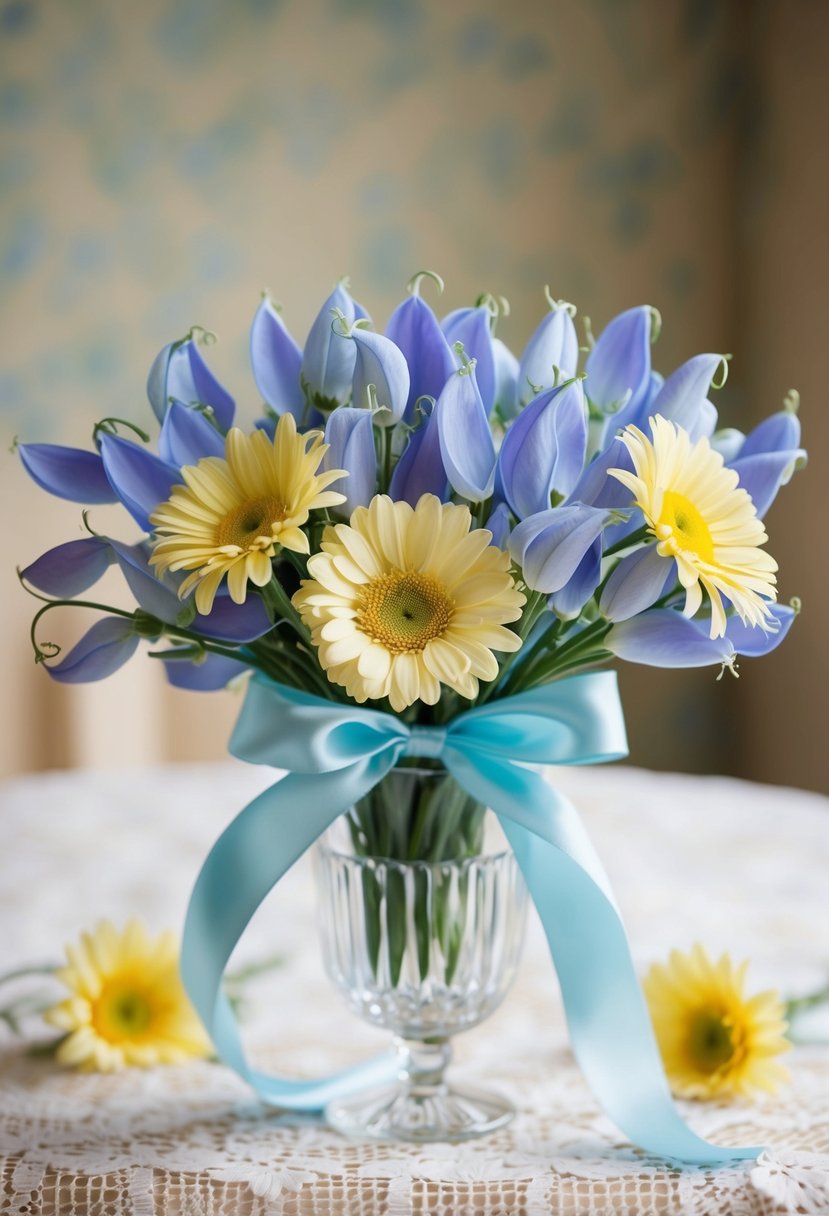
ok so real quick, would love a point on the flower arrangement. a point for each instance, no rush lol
(422, 532)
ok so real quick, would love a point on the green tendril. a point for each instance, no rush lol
(796, 604)
(589, 340)
(467, 364)
(791, 402)
(87, 525)
(656, 323)
(342, 320)
(555, 304)
(109, 426)
(720, 371)
(413, 285)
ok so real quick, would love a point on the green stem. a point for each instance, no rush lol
(627, 542)
(799, 1004)
(275, 594)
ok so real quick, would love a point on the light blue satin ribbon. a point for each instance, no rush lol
(335, 754)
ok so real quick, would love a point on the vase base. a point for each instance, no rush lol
(449, 1114)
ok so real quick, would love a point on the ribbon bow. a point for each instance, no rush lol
(336, 754)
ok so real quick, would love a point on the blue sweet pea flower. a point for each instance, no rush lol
(420, 469)
(663, 637)
(108, 645)
(544, 450)
(381, 377)
(768, 457)
(471, 328)
(551, 355)
(466, 446)
(276, 360)
(415, 330)
(69, 473)
(329, 357)
(619, 367)
(350, 436)
(638, 581)
(551, 546)
(179, 373)
(507, 369)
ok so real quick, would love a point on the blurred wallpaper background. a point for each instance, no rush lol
(162, 163)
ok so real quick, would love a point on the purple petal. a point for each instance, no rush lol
(544, 449)
(276, 360)
(420, 468)
(569, 601)
(187, 436)
(154, 596)
(550, 546)
(414, 328)
(506, 380)
(210, 674)
(473, 328)
(596, 488)
(768, 458)
(638, 581)
(754, 642)
(180, 373)
(106, 647)
(619, 365)
(683, 398)
(67, 472)
(763, 475)
(381, 376)
(554, 345)
(499, 525)
(140, 479)
(229, 622)
(663, 637)
(350, 434)
(466, 446)
(69, 569)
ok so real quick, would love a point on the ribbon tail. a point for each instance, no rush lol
(248, 859)
(610, 1029)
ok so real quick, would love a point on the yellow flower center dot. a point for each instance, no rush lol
(710, 1041)
(681, 521)
(404, 610)
(250, 522)
(121, 1011)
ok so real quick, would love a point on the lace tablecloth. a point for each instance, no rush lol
(735, 866)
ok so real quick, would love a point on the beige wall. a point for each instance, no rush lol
(160, 164)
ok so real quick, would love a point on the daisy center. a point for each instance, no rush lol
(404, 610)
(682, 521)
(121, 1012)
(249, 523)
(711, 1041)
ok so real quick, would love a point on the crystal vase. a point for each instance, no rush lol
(421, 922)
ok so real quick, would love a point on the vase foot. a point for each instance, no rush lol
(449, 1114)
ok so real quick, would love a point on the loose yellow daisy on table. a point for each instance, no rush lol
(715, 1040)
(703, 519)
(127, 1005)
(232, 514)
(405, 599)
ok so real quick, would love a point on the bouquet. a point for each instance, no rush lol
(422, 527)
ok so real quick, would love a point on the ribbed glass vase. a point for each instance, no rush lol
(421, 926)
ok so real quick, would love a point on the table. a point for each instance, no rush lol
(736, 866)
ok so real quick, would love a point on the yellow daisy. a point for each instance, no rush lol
(715, 1040)
(231, 514)
(404, 599)
(127, 1006)
(703, 519)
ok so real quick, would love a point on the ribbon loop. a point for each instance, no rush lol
(338, 753)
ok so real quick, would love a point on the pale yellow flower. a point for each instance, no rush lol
(232, 514)
(127, 1005)
(405, 599)
(703, 519)
(715, 1041)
